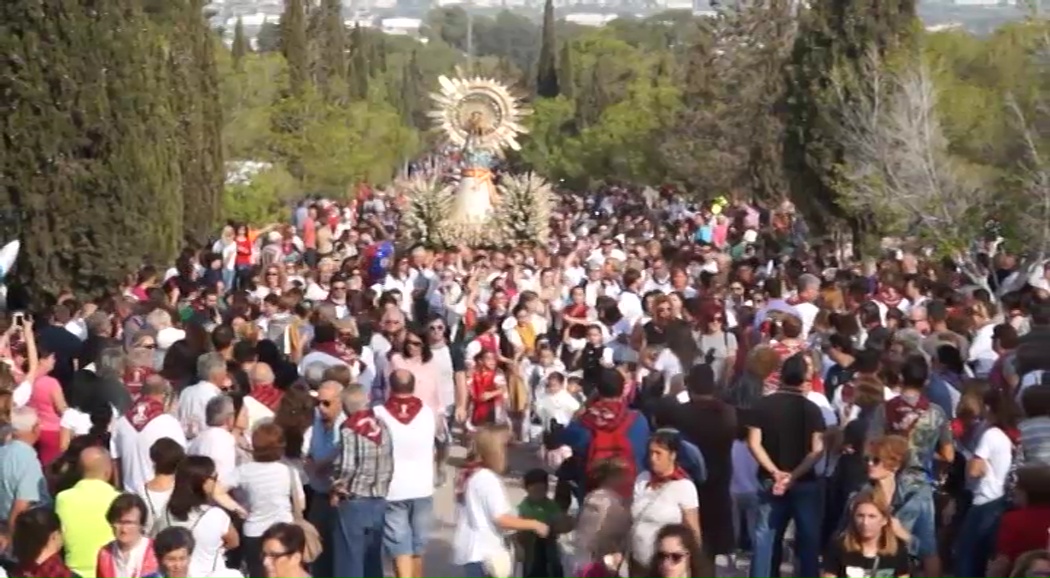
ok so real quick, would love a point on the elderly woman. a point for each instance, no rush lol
(664, 494)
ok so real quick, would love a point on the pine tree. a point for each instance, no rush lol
(240, 46)
(833, 39)
(547, 66)
(358, 74)
(331, 69)
(566, 74)
(294, 45)
(409, 99)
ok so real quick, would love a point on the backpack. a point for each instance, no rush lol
(612, 445)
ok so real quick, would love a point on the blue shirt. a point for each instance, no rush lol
(324, 447)
(21, 477)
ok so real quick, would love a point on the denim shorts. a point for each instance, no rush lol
(408, 526)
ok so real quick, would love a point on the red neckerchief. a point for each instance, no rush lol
(655, 481)
(134, 377)
(469, 469)
(488, 342)
(901, 416)
(336, 350)
(144, 411)
(365, 424)
(267, 394)
(404, 408)
(576, 311)
(604, 414)
(53, 567)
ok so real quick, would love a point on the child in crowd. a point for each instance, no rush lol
(541, 557)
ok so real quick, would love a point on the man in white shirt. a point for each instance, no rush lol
(211, 367)
(808, 291)
(135, 433)
(217, 441)
(410, 499)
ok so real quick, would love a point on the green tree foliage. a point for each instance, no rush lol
(294, 46)
(566, 73)
(88, 156)
(265, 199)
(359, 74)
(331, 64)
(547, 67)
(269, 37)
(834, 37)
(240, 47)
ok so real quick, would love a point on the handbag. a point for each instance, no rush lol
(314, 545)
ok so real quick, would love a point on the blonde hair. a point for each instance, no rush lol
(888, 540)
(489, 448)
(1024, 562)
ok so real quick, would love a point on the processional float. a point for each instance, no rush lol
(480, 118)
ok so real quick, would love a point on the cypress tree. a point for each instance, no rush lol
(358, 75)
(410, 96)
(834, 38)
(566, 74)
(547, 66)
(240, 46)
(331, 69)
(294, 45)
(87, 155)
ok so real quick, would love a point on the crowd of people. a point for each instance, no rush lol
(700, 390)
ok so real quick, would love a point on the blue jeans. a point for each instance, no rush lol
(407, 526)
(323, 516)
(358, 538)
(803, 504)
(976, 539)
(474, 570)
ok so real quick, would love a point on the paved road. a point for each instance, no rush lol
(438, 558)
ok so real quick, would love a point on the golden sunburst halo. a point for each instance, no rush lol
(484, 103)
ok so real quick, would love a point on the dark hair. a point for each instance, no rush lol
(125, 503)
(223, 337)
(793, 371)
(610, 383)
(699, 564)
(172, 539)
(667, 438)
(268, 443)
(535, 476)
(190, 477)
(33, 529)
(1034, 481)
(424, 347)
(914, 371)
(701, 380)
(1036, 401)
(166, 455)
(289, 535)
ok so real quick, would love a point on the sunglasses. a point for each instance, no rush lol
(873, 460)
(716, 320)
(415, 343)
(325, 403)
(673, 557)
(271, 273)
(148, 346)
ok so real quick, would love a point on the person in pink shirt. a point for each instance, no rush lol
(49, 402)
(416, 358)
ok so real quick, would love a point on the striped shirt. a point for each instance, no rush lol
(364, 468)
(1035, 441)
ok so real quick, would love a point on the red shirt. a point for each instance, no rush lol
(1023, 530)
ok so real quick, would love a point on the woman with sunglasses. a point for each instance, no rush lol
(677, 554)
(283, 545)
(870, 546)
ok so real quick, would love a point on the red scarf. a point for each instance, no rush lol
(144, 411)
(469, 469)
(656, 481)
(134, 377)
(404, 408)
(268, 395)
(365, 424)
(489, 342)
(901, 416)
(336, 350)
(53, 567)
(604, 413)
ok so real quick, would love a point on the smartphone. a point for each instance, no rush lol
(18, 318)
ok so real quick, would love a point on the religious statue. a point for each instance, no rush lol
(480, 119)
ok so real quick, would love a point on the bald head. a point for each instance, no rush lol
(402, 382)
(96, 463)
(262, 374)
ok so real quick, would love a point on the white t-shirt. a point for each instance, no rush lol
(654, 508)
(208, 526)
(156, 503)
(997, 452)
(218, 444)
(267, 489)
(132, 447)
(477, 536)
